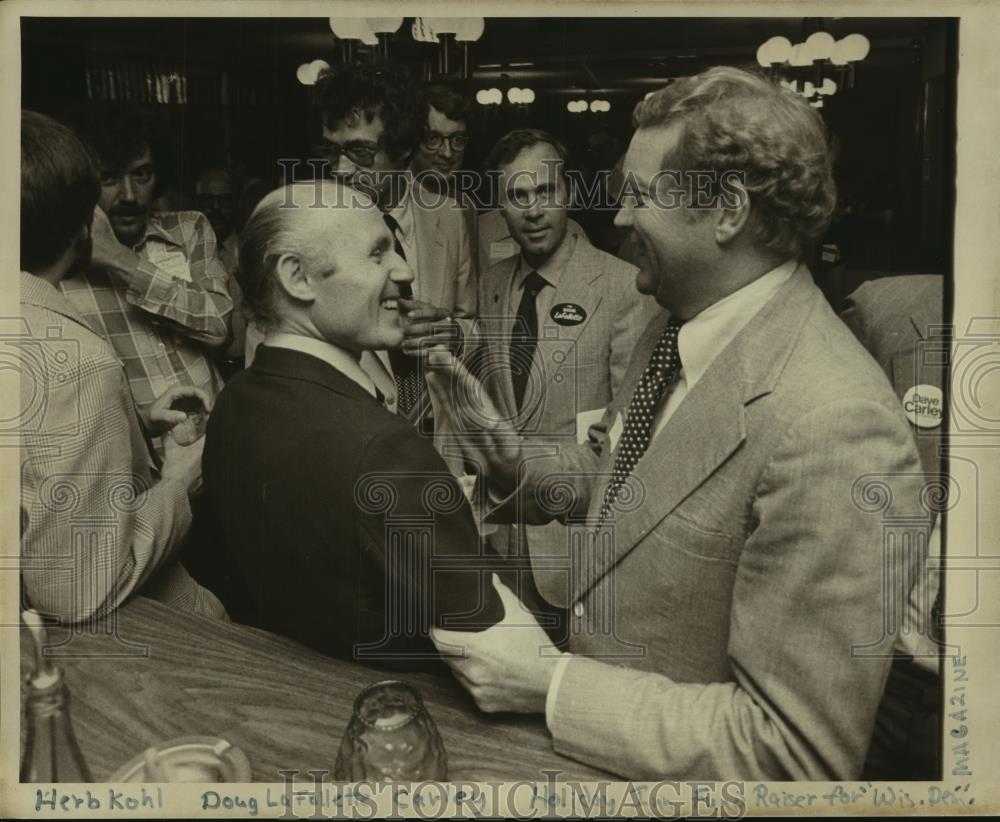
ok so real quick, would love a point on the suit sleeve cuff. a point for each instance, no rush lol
(552, 694)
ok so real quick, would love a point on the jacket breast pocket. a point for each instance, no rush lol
(679, 533)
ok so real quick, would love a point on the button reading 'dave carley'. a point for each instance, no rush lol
(924, 406)
(568, 313)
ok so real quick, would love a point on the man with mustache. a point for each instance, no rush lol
(99, 521)
(156, 289)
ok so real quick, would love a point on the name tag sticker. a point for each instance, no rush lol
(568, 314)
(616, 431)
(503, 249)
(924, 406)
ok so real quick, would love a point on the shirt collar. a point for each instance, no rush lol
(403, 212)
(345, 362)
(704, 336)
(554, 267)
(163, 226)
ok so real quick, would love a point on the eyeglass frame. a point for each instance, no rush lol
(445, 138)
(329, 150)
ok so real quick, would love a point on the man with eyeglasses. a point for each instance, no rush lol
(372, 122)
(156, 289)
(442, 148)
(441, 152)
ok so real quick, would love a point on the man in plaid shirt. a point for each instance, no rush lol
(156, 289)
(99, 521)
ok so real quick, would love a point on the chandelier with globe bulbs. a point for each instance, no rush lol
(817, 67)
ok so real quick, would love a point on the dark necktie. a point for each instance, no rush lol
(393, 225)
(405, 370)
(524, 335)
(664, 363)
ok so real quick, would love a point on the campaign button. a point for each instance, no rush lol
(924, 405)
(568, 314)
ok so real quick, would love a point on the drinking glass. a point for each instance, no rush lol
(391, 737)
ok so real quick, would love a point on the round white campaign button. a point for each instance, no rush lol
(924, 405)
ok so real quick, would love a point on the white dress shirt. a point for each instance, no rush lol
(344, 361)
(700, 340)
(703, 337)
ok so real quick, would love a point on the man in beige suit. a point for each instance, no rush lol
(553, 372)
(731, 585)
(900, 321)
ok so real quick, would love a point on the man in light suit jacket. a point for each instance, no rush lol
(899, 320)
(729, 588)
(372, 122)
(585, 321)
(893, 317)
(338, 524)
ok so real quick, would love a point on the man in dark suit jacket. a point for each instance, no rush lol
(338, 524)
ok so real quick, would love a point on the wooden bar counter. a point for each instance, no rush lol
(151, 673)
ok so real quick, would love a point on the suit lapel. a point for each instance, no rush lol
(903, 366)
(709, 425)
(431, 259)
(682, 457)
(556, 341)
(377, 366)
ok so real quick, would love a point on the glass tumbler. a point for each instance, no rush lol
(391, 737)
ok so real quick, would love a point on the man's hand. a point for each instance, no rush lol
(174, 405)
(107, 251)
(182, 463)
(507, 667)
(487, 437)
(426, 326)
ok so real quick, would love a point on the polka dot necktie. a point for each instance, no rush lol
(663, 366)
